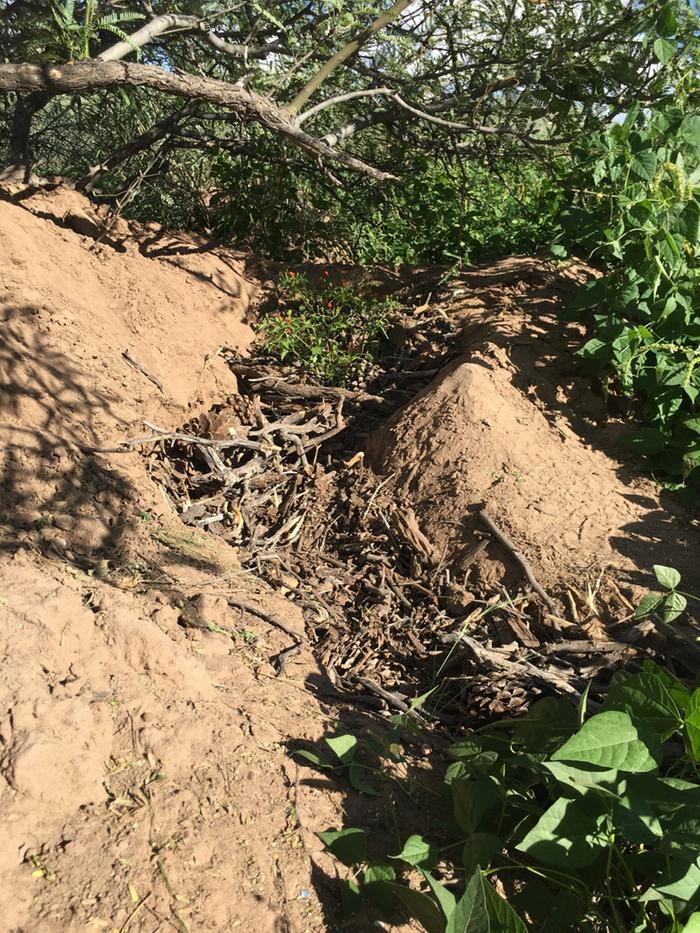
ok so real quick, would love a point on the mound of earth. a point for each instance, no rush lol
(509, 429)
(147, 782)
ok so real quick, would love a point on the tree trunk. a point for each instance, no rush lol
(20, 131)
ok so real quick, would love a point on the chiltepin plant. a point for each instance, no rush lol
(556, 821)
(332, 330)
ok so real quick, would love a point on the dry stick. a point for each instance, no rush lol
(488, 656)
(248, 606)
(127, 923)
(507, 543)
(163, 435)
(149, 375)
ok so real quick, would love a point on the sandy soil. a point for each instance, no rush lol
(147, 782)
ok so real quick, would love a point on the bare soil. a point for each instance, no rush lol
(147, 781)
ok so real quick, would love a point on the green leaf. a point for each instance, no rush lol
(647, 604)
(667, 576)
(636, 821)
(558, 250)
(374, 887)
(611, 740)
(471, 914)
(479, 849)
(314, 759)
(349, 846)
(584, 779)
(502, 916)
(693, 924)
(683, 881)
(675, 605)
(442, 895)
(565, 834)
(421, 907)
(643, 164)
(343, 747)
(689, 222)
(664, 50)
(418, 851)
(692, 725)
(548, 723)
(647, 700)
(473, 799)
(666, 24)
(350, 897)
(358, 777)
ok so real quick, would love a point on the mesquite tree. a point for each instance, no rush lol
(357, 86)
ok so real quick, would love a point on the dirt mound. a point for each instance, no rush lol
(145, 778)
(145, 734)
(508, 428)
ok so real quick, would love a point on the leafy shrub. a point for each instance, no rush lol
(440, 211)
(332, 330)
(584, 822)
(638, 214)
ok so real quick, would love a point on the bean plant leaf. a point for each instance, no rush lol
(548, 723)
(636, 821)
(471, 914)
(359, 778)
(350, 897)
(683, 881)
(502, 917)
(349, 846)
(674, 606)
(473, 799)
(421, 907)
(693, 924)
(692, 725)
(566, 834)
(374, 887)
(611, 740)
(442, 895)
(343, 747)
(647, 604)
(417, 851)
(668, 577)
(479, 849)
(645, 697)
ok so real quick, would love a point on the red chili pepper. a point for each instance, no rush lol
(330, 304)
(325, 273)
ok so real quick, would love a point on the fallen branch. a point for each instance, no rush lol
(76, 77)
(507, 543)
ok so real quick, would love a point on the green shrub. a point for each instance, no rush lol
(638, 215)
(585, 822)
(331, 330)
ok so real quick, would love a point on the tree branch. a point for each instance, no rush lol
(76, 77)
(341, 98)
(337, 60)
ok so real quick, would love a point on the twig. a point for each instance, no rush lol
(163, 435)
(142, 369)
(507, 543)
(247, 606)
(488, 656)
(127, 923)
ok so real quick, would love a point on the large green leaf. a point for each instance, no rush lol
(420, 906)
(548, 723)
(566, 833)
(479, 849)
(442, 895)
(643, 164)
(647, 700)
(682, 881)
(471, 914)
(473, 799)
(349, 846)
(635, 820)
(611, 740)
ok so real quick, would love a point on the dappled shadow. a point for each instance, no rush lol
(47, 417)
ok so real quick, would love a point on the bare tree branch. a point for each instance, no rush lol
(76, 77)
(337, 60)
(341, 98)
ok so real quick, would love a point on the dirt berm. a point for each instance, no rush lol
(146, 777)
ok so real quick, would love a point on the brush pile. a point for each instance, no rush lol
(279, 473)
